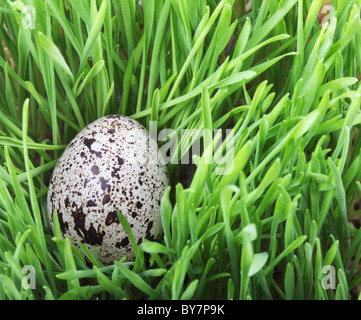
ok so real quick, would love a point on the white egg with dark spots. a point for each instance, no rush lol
(112, 165)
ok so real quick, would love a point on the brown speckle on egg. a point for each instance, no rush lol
(111, 166)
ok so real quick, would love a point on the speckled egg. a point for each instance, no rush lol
(112, 165)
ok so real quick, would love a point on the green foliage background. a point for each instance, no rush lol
(287, 85)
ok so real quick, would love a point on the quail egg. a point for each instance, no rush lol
(111, 165)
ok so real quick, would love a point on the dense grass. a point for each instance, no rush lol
(287, 86)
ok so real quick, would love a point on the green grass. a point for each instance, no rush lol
(288, 87)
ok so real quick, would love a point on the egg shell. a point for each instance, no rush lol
(111, 165)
